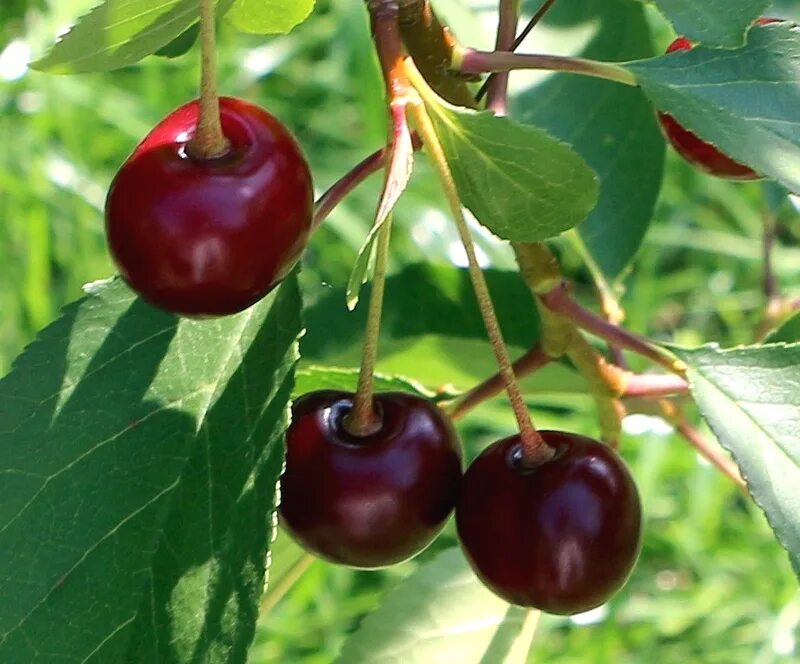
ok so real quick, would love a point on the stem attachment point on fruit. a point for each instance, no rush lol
(209, 141)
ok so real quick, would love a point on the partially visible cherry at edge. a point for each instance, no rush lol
(695, 150)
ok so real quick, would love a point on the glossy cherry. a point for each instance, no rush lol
(206, 237)
(368, 501)
(695, 150)
(562, 537)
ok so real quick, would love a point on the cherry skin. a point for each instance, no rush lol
(368, 501)
(695, 150)
(210, 237)
(562, 537)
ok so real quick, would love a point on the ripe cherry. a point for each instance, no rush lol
(368, 501)
(206, 237)
(562, 537)
(695, 150)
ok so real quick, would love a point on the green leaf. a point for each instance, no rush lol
(619, 139)
(789, 332)
(750, 397)
(269, 17)
(314, 377)
(518, 181)
(713, 22)
(442, 613)
(181, 45)
(139, 455)
(119, 33)
(423, 299)
(744, 101)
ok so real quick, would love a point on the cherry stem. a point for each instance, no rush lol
(497, 99)
(653, 385)
(208, 141)
(531, 361)
(559, 300)
(707, 449)
(535, 450)
(354, 177)
(535, 19)
(471, 61)
(363, 420)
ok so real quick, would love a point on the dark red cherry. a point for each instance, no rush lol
(562, 537)
(695, 150)
(206, 237)
(368, 501)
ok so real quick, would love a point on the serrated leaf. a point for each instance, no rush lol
(713, 22)
(789, 332)
(119, 33)
(744, 101)
(750, 397)
(518, 181)
(619, 139)
(269, 17)
(139, 455)
(442, 613)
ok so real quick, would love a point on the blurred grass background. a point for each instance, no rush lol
(712, 585)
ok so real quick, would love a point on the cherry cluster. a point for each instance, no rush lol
(212, 234)
(562, 536)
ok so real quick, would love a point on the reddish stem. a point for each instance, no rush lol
(497, 98)
(528, 363)
(559, 300)
(713, 453)
(537, 17)
(347, 183)
(654, 385)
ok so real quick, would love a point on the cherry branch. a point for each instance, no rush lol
(559, 300)
(497, 99)
(535, 19)
(527, 364)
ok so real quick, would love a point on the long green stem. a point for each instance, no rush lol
(470, 61)
(208, 141)
(363, 420)
(535, 450)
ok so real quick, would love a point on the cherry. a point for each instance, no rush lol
(210, 237)
(368, 501)
(695, 150)
(562, 537)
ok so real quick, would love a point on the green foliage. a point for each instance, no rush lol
(119, 33)
(629, 158)
(518, 181)
(722, 96)
(139, 456)
(712, 585)
(788, 332)
(418, 619)
(713, 22)
(749, 397)
(269, 17)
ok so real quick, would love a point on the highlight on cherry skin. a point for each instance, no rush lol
(210, 237)
(695, 150)
(562, 537)
(368, 501)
